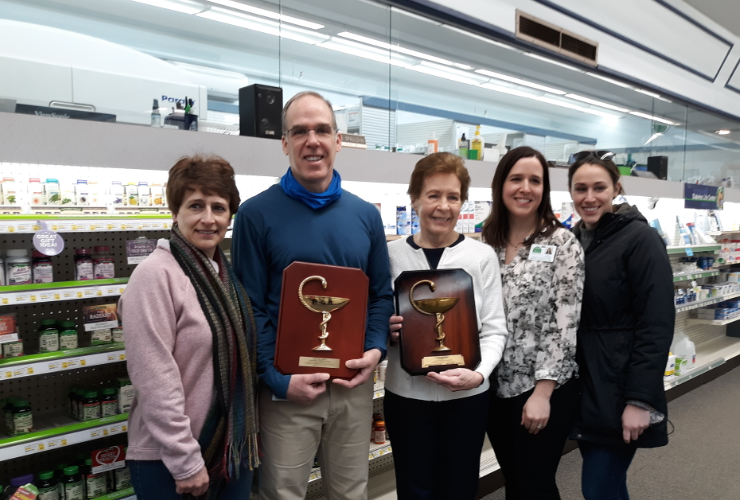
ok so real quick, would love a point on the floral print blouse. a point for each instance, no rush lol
(542, 301)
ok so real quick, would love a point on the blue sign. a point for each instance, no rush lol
(703, 197)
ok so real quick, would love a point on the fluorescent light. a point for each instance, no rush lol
(597, 103)
(654, 118)
(184, 6)
(443, 73)
(610, 80)
(457, 72)
(263, 26)
(551, 61)
(519, 81)
(651, 94)
(722, 132)
(267, 13)
(403, 50)
(655, 136)
(358, 50)
(481, 38)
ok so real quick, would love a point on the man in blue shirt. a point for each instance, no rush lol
(309, 218)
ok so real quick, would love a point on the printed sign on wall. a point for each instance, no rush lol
(703, 197)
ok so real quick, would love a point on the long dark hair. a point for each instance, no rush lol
(496, 228)
(593, 159)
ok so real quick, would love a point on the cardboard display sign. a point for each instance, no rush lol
(322, 321)
(440, 329)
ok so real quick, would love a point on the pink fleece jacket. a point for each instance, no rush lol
(169, 352)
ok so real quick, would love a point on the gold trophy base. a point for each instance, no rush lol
(455, 359)
(322, 347)
(441, 348)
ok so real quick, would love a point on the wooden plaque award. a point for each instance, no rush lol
(440, 329)
(322, 320)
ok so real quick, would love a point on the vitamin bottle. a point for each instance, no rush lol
(48, 486)
(13, 349)
(22, 417)
(90, 405)
(109, 403)
(42, 268)
(104, 267)
(73, 485)
(379, 432)
(83, 265)
(18, 267)
(95, 484)
(72, 401)
(122, 477)
(8, 413)
(48, 336)
(68, 336)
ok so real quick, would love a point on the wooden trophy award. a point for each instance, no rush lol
(322, 320)
(440, 329)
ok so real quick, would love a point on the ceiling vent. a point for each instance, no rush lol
(557, 39)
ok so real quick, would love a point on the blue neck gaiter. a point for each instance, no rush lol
(293, 188)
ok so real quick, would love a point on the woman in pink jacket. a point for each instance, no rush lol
(190, 342)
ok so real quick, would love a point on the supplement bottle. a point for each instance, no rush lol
(48, 486)
(104, 267)
(68, 336)
(122, 477)
(18, 267)
(90, 406)
(8, 413)
(379, 432)
(72, 484)
(95, 484)
(2, 272)
(22, 417)
(48, 336)
(42, 268)
(117, 334)
(108, 403)
(83, 265)
(13, 349)
(72, 401)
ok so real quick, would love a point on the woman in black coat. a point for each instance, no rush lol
(625, 332)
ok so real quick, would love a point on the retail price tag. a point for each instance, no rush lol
(111, 357)
(89, 293)
(147, 226)
(31, 448)
(689, 252)
(62, 226)
(166, 225)
(53, 444)
(29, 370)
(81, 227)
(33, 297)
(83, 362)
(122, 357)
(99, 292)
(22, 298)
(97, 226)
(124, 427)
(114, 226)
(121, 289)
(7, 228)
(24, 227)
(54, 366)
(70, 363)
(96, 433)
(105, 431)
(157, 225)
(71, 293)
(47, 296)
(114, 429)
(7, 299)
(36, 227)
(111, 290)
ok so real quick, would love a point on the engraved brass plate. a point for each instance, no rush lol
(454, 359)
(319, 362)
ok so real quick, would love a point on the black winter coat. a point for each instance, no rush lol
(626, 328)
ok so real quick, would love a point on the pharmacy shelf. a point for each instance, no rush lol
(59, 431)
(721, 233)
(59, 361)
(710, 355)
(378, 390)
(376, 451)
(127, 494)
(694, 248)
(61, 290)
(705, 303)
(87, 224)
(714, 322)
(693, 276)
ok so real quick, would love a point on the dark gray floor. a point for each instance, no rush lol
(702, 460)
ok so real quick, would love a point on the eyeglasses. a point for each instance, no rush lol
(321, 131)
(599, 155)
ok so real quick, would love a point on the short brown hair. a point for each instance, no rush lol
(439, 163)
(300, 95)
(212, 174)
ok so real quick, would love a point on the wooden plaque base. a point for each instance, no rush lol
(418, 338)
(299, 328)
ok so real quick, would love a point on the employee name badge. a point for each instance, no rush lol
(543, 253)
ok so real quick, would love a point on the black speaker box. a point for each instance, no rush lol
(659, 166)
(260, 110)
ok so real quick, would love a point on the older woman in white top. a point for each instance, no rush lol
(437, 422)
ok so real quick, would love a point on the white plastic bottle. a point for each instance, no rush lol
(685, 352)
(18, 267)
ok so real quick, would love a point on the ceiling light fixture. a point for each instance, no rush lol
(597, 103)
(371, 53)
(654, 118)
(481, 38)
(610, 80)
(646, 92)
(655, 136)
(268, 13)
(184, 6)
(443, 73)
(403, 50)
(723, 132)
(519, 81)
(263, 26)
(551, 61)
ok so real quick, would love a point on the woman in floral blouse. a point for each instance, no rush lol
(534, 392)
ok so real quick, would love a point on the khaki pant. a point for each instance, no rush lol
(336, 424)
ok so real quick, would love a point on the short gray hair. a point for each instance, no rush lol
(299, 95)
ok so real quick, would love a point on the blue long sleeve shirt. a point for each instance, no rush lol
(272, 230)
